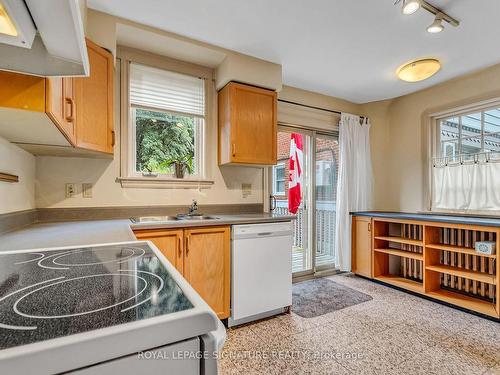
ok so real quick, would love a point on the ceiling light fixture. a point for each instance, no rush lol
(410, 6)
(437, 25)
(418, 70)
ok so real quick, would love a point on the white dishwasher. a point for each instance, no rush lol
(261, 271)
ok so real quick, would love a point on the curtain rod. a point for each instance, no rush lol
(313, 107)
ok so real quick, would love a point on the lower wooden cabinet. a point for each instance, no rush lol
(202, 255)
(169, 242)
(362, 246)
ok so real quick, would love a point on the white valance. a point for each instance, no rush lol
(467, 186)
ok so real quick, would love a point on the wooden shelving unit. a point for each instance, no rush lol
(466, 274)
(401, 253)
(438, 260)
(401, 240)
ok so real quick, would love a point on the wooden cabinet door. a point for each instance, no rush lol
(94, 102)
(362, 246)
(60, 105)
(248, 127)
(207, 265)
(169, 242)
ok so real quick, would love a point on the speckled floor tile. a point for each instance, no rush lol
(441, 361)
(395, 333)
(283, 325)
(495, 370)
(483, 344)
(226, 367)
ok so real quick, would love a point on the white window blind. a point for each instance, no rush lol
(161, 89)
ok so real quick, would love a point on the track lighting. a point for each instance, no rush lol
(437, 25)
(410, 6)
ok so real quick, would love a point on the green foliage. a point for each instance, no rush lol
(163, 139)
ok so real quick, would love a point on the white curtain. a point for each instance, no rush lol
(468, 186)
(354, 186)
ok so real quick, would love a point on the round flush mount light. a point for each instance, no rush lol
(436, 26)
(410, 6)
(418, 70)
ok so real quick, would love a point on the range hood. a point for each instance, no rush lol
(43, 38)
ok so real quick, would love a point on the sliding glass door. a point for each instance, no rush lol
(314, 229)
(326, 153)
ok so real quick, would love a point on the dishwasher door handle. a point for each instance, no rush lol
(264, 234)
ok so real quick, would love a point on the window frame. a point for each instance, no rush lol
(129, 178)
(431, 121)
(275, 170)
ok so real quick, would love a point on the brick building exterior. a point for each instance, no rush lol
(327, 156)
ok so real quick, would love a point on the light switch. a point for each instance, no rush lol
(87, 190)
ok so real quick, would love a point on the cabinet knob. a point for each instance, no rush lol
(180, 246)
(187, 245)
(369, 227)
(113, 138)
(234, 149)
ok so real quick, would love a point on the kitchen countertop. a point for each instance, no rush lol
(81, 233)
(453, 219)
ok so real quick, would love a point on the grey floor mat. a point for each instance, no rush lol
(320, 296)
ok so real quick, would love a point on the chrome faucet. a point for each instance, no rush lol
(193, 209)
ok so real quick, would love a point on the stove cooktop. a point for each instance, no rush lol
(53, 293)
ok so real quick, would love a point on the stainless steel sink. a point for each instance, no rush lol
(152, 219)
(196, 217)
(161, 219)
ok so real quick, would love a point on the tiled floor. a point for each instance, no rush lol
(395, 333)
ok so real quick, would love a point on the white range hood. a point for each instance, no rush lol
(43, 38)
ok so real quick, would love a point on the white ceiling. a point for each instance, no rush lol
(344, 48)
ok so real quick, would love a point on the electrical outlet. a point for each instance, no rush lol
(87, 190)
(70, 190)
(246, 189)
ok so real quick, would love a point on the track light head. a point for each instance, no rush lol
(410, 6)
(437, 25)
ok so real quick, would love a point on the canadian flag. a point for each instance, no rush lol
(295, 178)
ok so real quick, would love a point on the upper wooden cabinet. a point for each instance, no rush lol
(247, 125)
(94, 102)
(60, 105)
(61, 116)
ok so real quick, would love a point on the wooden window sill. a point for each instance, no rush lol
(164, 183)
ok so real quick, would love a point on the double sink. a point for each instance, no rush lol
(160, 219)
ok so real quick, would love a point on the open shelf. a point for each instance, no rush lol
(458, 249)
(464, 301)
(467, 274)
(401, 253)
(401, 282)
(402, 240)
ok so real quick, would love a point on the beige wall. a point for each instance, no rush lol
(404, 164)
(16, 196)
(52, 173)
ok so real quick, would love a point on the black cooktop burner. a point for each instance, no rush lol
(54, 293)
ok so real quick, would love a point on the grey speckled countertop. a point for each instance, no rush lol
(453, 219)
(82, 233)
